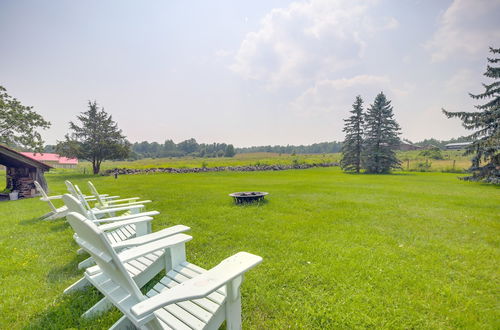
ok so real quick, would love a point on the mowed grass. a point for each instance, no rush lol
(409, 250)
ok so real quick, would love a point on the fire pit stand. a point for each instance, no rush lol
(248, 196)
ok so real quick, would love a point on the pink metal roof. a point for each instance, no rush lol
(51, 158)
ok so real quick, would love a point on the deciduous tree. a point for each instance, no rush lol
(19, 123)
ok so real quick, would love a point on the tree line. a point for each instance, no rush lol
(315, 148)
(188, 147)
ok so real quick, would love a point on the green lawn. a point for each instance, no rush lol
(409, 250)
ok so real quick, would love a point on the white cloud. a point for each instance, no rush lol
(466, 27)
(223, 53)
(338, 95)
(307, 41)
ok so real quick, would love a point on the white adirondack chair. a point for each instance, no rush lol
(143, 269)
(90, 198)
(119, 233)
(56, 212)
(187, 297)
(106, 211)
(103, 203)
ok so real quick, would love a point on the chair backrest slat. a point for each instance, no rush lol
(45, 196)
(94, 192)
(74, 205)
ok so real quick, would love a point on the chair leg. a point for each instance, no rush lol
(122, 323)
(101, 306)
(46, 216)
(86, 263)
(78, 285)
(233, 304)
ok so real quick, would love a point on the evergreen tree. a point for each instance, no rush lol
(486, 123)
(381, 137)
(352, 146)
(97, 139)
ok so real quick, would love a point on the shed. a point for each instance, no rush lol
(22, 171)
(457, 146)
(53, 160)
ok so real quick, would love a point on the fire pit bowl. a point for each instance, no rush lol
(248, 196)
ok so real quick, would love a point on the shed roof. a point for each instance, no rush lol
(49, 157)
(12, 158)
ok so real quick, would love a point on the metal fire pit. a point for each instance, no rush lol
(248, 196)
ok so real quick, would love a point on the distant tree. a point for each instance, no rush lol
(19, 124)
(229, 152)
(486, 123)
(352, 147)
(97, 139)
(188, 146)
(381, 137)
(433, 153)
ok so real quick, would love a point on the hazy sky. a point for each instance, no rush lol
(246, 72)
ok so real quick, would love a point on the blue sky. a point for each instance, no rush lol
(246, 72)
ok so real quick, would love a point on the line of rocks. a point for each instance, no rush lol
(247, 168)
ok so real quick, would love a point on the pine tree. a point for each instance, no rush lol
(381, 137)
(352, 147)
(96, 140)
(486, 139)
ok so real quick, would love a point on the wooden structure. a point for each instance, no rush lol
(53, 160)
(22, 171)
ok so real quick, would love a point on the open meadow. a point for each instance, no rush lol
(453, 161)
(407, 250)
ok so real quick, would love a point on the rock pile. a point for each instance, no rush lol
(247, 168)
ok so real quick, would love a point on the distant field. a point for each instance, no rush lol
(403, 251)
(261, 158)
(453, 161)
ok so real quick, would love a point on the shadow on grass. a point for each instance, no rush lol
(67, 309)
(31, 221)
(70, 270)
(251, 204)
(61, 226)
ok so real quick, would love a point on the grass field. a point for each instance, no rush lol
(453, 161)
(408, 250)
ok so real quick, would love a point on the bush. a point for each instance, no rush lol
(434, 153)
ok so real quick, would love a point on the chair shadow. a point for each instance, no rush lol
(31, 221)
(66, 271)
(60, 226)
(66, 312)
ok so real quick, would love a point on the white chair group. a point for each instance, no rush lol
(126, 254)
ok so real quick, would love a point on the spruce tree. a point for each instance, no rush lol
(352, 147)
(486, 123)
(97, 139)
(381, 137)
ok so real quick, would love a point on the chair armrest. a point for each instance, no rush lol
(123, 200)
(127, 217)
(50, 198)
(108, 198)
(160, 244)
(151, 237)
(117, 209)
(119, 224)
(125, 204)
(201, 285)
